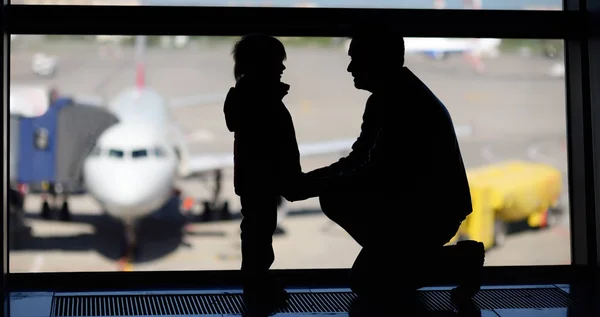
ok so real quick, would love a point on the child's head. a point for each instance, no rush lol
(258, 56)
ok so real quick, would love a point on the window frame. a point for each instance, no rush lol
(593, 53)
(4, 70)
(574, 24)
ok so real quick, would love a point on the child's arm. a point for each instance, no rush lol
(363, 175)
(257, 145)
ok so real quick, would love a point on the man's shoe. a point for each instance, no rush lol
(468, 309)
(264, 297)
(470, 257)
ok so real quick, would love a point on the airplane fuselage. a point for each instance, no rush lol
(132, 169)
(131, 172)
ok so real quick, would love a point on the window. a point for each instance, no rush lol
(569, 25)
(115, 153)
(139, 153)
(506, 97)
(390, 4)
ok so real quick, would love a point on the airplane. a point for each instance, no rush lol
(132, 168)
(441, 48)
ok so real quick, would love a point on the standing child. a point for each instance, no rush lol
(266, 160)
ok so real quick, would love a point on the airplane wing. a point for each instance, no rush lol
(210, 162)
(419, 44)
(179, 102)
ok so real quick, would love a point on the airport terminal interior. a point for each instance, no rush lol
(119, 162)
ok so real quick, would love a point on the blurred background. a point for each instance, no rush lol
(93, 192)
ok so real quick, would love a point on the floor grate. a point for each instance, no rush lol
(326, 302)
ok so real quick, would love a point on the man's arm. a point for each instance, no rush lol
(362, 174)
(360, 148)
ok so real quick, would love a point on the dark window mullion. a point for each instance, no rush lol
(113, 20)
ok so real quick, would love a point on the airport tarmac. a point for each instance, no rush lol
(513, 111)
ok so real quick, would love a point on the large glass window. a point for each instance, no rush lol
(410, 4)
(506, 97)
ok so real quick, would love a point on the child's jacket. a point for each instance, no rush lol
(266, 156)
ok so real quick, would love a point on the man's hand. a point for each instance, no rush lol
(296, 196)
(305, 187)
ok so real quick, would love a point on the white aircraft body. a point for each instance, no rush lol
(132, 170)
(440, 48)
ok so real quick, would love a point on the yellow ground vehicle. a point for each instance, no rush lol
(510, 192)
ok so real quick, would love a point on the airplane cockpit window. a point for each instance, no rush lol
(160, 152)
(116, 153)
(139, 153)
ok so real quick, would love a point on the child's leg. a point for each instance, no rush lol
(258, 225)
(262, 293)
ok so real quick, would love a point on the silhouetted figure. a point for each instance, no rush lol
(267, 160)
(403, 190)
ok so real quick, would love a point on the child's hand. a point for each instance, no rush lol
(302, 189)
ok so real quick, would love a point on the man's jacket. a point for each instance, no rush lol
(415, 157)
(360, 149)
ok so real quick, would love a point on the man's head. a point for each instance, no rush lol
(259, 56)
(377, 55)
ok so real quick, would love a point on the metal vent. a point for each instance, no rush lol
(520, 298)
(326, 302)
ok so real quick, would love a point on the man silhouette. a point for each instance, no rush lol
(403, 189)
(266, 160)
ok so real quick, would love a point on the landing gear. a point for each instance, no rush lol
(65, 213)
(225, 212)
(50, 204)
(214, 209)
(46, 210)
(129, 250)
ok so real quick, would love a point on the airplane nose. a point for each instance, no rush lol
(127, 194)
(128, 187)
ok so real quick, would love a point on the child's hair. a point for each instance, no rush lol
(252, 48)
